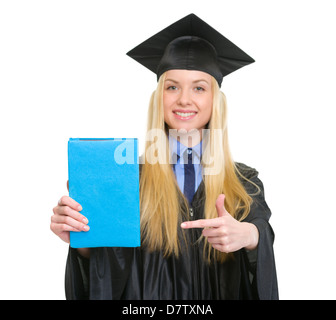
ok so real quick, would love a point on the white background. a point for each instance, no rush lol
(64, 73)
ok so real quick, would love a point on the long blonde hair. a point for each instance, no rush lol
(160, 199)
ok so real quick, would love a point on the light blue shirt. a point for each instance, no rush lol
(177, 148)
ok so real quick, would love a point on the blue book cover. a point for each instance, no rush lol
(104, 179)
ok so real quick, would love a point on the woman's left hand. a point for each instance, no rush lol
(225, 233)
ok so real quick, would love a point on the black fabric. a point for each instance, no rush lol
(189, 176)
(190, 44)
(136, 273)
(190, 53)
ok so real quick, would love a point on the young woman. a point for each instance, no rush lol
(204, 220)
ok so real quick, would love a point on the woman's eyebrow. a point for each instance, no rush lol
(201, 80)
(171, 80)
(195, 81)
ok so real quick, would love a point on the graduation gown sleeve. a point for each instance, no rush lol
(76, 276)
(103, 276)
(261, 261)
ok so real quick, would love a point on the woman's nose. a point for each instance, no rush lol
(184, 98)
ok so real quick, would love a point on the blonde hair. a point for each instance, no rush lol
(160, 198)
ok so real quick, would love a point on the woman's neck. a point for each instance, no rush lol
(189, 139)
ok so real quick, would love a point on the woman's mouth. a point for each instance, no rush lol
(184, 115)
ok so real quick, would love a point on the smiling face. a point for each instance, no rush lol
(187, 99)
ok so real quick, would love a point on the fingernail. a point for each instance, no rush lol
(79, 208)
(183, 225)
(86, 228)
(86, 221)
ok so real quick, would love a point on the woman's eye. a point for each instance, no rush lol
(171, 88)
(199, 89)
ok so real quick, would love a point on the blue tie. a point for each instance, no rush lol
(189, 177)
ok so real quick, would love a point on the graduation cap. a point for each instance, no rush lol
(190, 44)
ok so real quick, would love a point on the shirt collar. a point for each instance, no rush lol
(177, 148)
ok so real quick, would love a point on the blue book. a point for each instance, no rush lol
(104, 179)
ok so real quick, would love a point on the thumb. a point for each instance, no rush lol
(220, 206)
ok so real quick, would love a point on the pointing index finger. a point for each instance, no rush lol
(202, 223)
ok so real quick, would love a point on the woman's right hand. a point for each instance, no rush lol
(67, 218)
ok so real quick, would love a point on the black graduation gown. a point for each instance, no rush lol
(135, 273)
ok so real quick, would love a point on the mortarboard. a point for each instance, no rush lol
(190, 44)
